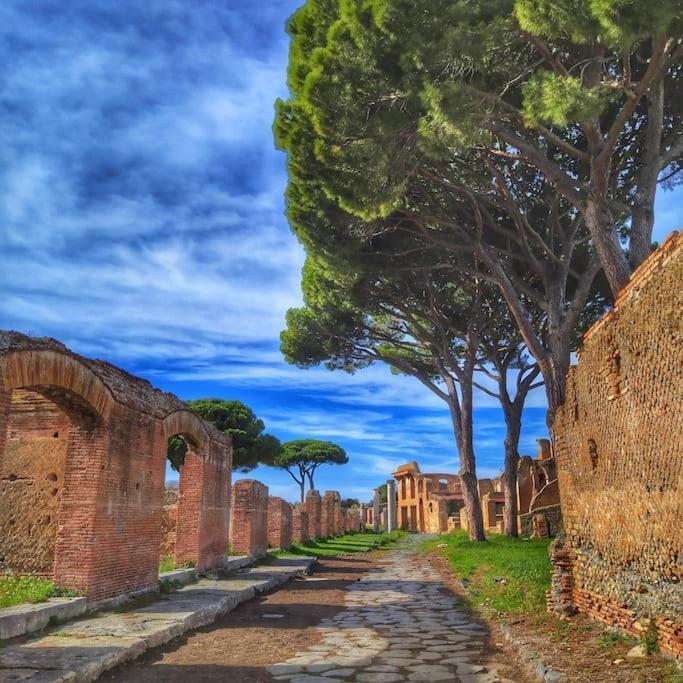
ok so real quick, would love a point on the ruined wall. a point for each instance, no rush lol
(313, 509)
(279, 523)
(300, 532)
(31, 483)
(620, 462)
(109, 515)
(249, 518)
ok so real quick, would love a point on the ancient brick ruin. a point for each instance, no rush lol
(249, 518)
(617, 443)
(300, 526)
(434, 503)
(279, 523)
(83, 452)
(538, 495)
(312, 507)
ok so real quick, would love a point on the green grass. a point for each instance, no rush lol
(17, 590)
(338, 545)
(166, 565)
(509, 575)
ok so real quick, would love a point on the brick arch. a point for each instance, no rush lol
(68, 382)
(188, 425)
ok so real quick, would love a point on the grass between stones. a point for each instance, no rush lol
(17, 590)
(509, 575)
(338, 545)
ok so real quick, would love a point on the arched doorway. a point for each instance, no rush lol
(49, 425)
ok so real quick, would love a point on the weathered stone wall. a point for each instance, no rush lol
(109, 518)
(279, 523)
(619, 458)
(249, 519)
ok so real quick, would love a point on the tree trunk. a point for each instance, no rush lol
(302, 486)
(601, 225)
(513, 422)
(310, 481)
(462, 428)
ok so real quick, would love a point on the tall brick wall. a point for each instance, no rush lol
(279, 523)
(620, 463)
(249, 518)
(300, 531)
(313, 509)
(109, 516)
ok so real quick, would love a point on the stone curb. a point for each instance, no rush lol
(82, 651)
(21, 619)
(530, 658)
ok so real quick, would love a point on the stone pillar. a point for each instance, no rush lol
(338, 515)
(249, 518)
(312, 506)
(279, 523)
(299, 525)
(362, 514)
(391, 505)
(375, 512)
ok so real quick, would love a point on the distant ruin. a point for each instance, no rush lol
(619, 455)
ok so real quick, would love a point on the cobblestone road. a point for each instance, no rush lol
(399, 625)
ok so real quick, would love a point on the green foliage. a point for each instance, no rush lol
(310, 452)
(650, 640)
(509, 575)
(166, 565)
(561, 100)
(251, 446)
(169, 585)
(16, 590)
(348, 503)
(610, 639)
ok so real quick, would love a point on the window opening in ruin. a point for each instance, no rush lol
(443, 484)
(32, 481)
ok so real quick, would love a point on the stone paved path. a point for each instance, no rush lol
(398, 626)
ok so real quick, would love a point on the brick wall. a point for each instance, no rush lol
(107, 465)
(249, 518)
(313, 509)
(279, 523)
(618, 449)
(299, 525)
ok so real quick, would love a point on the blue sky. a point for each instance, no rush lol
(141, 221)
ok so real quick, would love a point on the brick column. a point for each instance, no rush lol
(338, 515)
(327, 515)
(391, 505)
(312, 506)
(299, 525)
(375, 512)
(249, 518)
(279, 523)
(203, 507)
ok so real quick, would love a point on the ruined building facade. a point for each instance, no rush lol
(83, 452)
(619, 449)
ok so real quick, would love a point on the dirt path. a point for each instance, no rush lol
(376, 618)
(239, 646)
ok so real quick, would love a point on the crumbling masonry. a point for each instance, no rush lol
(83, 452)
(619, 455)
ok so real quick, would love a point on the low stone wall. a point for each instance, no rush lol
(548, 519)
